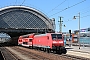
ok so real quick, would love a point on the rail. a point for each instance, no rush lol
(7, 55)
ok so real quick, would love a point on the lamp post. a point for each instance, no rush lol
(79, 28)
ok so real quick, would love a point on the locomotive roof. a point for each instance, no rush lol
(46, 34)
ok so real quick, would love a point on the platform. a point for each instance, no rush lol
(82, 52)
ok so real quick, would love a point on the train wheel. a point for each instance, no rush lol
(37, 48)
(31, 47)
(54, 51)
(58, 52)
(48, 50)
(64, 51)
(44, 49)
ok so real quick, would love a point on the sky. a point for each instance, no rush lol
(66, 9)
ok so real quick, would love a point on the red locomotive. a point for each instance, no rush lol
(47, 42)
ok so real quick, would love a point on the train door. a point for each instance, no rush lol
(30, 42)
(25, 42)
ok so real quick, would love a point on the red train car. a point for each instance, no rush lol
(26, 40)
(47, 42)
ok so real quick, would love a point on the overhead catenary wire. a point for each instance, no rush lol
(81, 13)
(57, 6)
(85, 12)
(22, 2)
(68, 7)
(85, 16)
(16, 2)
(80, 17)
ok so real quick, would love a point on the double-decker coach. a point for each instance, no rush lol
(26, 40)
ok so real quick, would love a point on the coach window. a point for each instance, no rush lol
(25, 42)
(30, 40)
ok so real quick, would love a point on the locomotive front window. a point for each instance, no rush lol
(56, 36)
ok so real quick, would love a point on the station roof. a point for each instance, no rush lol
(23, 17)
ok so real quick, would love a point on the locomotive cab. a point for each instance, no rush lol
(57, 40)
(58, 43)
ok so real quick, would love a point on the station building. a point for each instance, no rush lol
(15, 20)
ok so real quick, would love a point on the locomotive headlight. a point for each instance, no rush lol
(60, 41)
(54, 42)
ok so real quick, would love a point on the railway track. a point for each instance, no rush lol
(7, 55)
(39, 55)
(32, 55)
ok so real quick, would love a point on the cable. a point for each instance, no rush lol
(76, 4)
(57, 6)
(85, 12)
(85, 16)
(68, 7)
(80, 17)
(16, 2)
(82, 13)
(68, 20)
(22, 2)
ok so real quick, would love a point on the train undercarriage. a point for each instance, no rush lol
(57, 50)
